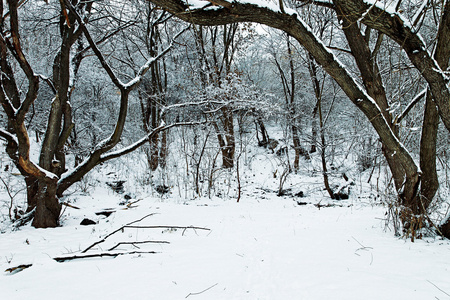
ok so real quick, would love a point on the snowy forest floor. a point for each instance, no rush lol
(264, 247)
(257, 249)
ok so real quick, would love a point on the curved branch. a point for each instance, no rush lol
(290, 23)
(408, 108)
(394, 25)
(8, 137)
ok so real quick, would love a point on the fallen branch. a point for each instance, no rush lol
(130, 225)
(164, 226)
(115, 231)
(17, 269)
(70, 205)
(24, 219)
(66, 258)
(319, 205)
(134, 243)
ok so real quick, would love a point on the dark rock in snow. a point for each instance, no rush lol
(105, 213)
(87, 221)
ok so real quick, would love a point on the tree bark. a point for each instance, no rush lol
(46, 181)
(392, 25)
(291, 24)
(352, 11)
(430, 182)
(48, 207)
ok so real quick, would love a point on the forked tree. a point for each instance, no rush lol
(47, 179)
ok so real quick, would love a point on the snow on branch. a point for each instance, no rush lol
(420, 14)
(8, 136)
(94, 47)
(117, 82)
(134, 82)
(142, 141)
(413, 102)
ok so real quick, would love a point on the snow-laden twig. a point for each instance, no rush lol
(143, 140)
(143, 70)
(420, 14)
(413, 102)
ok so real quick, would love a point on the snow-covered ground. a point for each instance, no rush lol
(264, 247)
(261, 248)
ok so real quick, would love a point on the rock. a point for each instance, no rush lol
(87, 221)
(105, 213)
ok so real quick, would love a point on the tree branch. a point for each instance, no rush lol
(408, 108)
(115, 231)
(8, 137)
(66, 258)
(297, 28)
(94, 48)
(145, 139)
(137, 243)
(395, 25)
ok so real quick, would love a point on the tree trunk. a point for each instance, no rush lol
(297, 146)
(314, 129)
(430, 182)
(226, 138)
(323, 148)
(48, 208)
(261, 128)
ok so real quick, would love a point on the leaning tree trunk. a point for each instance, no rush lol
(318, 110)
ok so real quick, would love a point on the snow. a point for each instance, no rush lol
(197, 4)
(264, 247)
(270, 4)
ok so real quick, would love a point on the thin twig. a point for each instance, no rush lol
(134, 243)
(193, 294)
(362, 246)
(438, 288)
(164, 226)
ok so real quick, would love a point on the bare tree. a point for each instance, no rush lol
(369, 99)
(47, 179)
